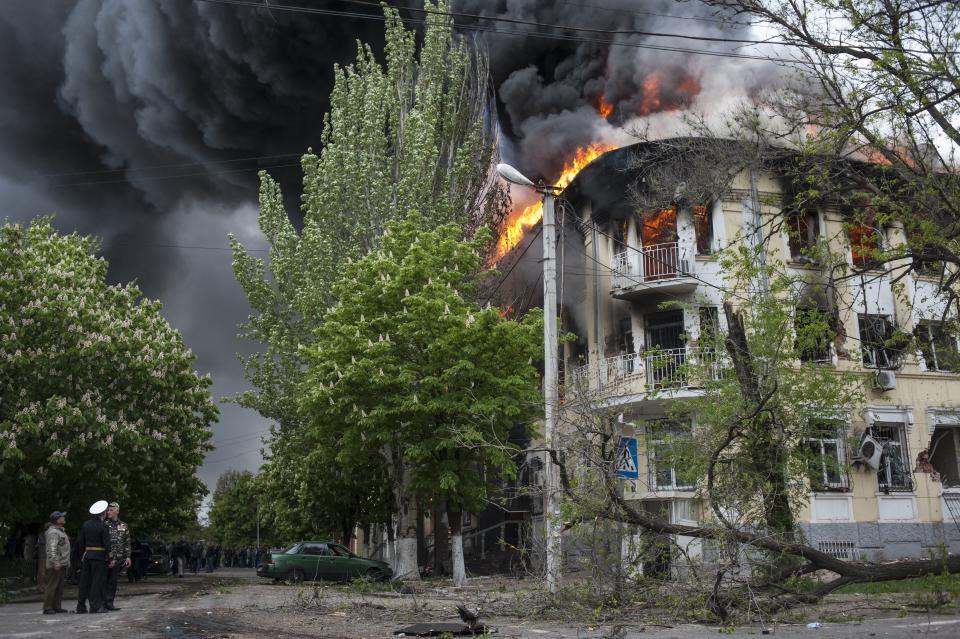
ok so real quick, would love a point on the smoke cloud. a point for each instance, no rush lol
(550, 88)
(145, 122)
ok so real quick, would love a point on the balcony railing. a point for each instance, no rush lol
(675, 368)
(648, 264)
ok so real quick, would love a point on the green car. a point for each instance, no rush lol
(313, 560)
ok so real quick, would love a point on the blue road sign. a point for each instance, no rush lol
(626, 459)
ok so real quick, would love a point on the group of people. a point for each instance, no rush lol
(197, 556)
(104, 550)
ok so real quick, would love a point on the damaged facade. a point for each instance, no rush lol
(628, 346)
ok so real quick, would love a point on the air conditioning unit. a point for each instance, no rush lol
(869, 452)
(884, 380)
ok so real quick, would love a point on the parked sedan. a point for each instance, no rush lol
(312, 560)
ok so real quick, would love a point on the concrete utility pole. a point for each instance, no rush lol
(551, 504)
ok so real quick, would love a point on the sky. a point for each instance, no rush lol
(144, 122)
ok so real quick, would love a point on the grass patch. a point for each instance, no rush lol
(949, 583)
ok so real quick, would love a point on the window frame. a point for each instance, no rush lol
(803, 233)
(927, 332)
(703, 235)
(877, 430)
(831, 432)
(872, 346)
(654, 443)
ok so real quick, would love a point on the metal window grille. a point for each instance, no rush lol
(846, 550)
(894, 474)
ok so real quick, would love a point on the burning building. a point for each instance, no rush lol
(899, 498)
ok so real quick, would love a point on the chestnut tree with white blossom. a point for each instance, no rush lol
(98, 395)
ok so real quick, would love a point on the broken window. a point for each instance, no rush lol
(894, 474)
(866, 240)
(814, 334)
(665, 337)
(803, 229)
(826, 461)
(703, 228)
(938, 346)
(709, 323)
(665, 443)
(876, 333)
(944, 454)
(659, 227)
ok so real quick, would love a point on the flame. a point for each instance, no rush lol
(659, 227)
(677, 96)
(605, 108)
(651, 93)
(520, 220)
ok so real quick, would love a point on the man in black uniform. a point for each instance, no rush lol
(119, 553)
(94, 546)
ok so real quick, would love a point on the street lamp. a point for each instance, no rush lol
(550, 372)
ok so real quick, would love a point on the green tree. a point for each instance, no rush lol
(408, 134)
(98, 396)
(406, 367)
(235, 510)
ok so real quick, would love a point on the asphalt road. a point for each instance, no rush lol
(234, 604)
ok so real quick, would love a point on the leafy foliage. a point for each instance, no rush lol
(98, 397)
(235, 509)
(407, 134)
(408, 370)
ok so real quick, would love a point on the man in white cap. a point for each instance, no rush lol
(94, 546)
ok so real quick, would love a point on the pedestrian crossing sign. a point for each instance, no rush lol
(625, 462)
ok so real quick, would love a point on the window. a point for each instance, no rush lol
(709, 323)
(703, 229)
(938, 346)
(876, 331)
(865, 244)
(659, 227)
(665, 444)
(803, 229)
(315, 549)
(826, 463)
(944, 454)
(814, 335)
(894, 473)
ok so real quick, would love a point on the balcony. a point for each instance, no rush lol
(655, 268)
(634, 373)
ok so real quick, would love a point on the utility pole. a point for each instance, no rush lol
(551, 504)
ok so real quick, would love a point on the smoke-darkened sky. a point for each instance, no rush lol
(144, 122)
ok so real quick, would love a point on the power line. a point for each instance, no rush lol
(522, 34)
(553, 36)
(513, 266)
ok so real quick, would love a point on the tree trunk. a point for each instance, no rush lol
(441, 565)
(455, 519)
(406, 567)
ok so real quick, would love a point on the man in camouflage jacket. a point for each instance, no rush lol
(119, 553)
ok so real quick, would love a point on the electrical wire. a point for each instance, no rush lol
(652, 34)
(555, 36)
(524, 34)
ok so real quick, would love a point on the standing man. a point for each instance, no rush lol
(94, 546)
(57, 546)
(119, 553)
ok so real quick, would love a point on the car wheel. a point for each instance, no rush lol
(296, 575)
(374, 574)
